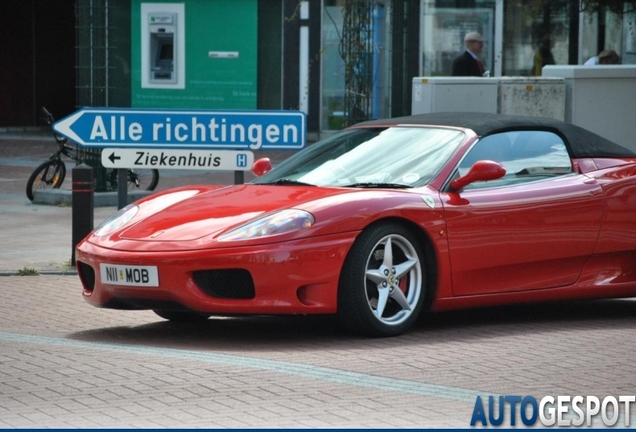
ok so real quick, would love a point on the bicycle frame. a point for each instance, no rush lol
(51, 173)
(63, 147)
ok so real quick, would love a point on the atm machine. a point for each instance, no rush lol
(163, 34)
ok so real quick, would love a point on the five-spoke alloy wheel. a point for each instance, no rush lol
(382, 285)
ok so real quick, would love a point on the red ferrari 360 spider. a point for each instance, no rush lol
(381, 221)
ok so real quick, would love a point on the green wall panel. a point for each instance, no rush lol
(210, 83)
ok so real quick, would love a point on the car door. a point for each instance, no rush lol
(532, 229)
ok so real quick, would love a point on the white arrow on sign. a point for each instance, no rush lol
(225, 160)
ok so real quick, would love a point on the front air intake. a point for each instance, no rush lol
(87, 275)
(226, 283)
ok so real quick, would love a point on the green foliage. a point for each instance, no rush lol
(27, 272)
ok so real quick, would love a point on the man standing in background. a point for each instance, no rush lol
(468, 63)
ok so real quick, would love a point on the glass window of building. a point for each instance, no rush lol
(602, 29)
(333, 68)
(354, 62)
(444, 25)
(535, 34)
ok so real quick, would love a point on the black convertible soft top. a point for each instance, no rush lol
(581, 142)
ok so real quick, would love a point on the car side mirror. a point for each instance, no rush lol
(482, 170)
(261, 167)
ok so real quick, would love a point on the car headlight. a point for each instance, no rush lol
(116, 221)
(281, 222)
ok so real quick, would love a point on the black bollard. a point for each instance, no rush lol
(82, 205)
(122, 188)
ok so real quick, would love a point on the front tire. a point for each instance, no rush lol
(383, 281)
(48, 175)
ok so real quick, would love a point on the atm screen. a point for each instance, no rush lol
(165, 51)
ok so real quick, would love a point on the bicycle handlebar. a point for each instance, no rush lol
(50, 120)
(49, 117)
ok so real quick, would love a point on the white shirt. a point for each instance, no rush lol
(592, 61)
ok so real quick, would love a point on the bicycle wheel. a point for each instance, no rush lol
(138, 179)
(49, 175)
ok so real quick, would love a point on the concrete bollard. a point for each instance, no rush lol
(82, 203)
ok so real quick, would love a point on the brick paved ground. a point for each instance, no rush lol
(64, 363)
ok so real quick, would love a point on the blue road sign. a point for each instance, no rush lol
(186, 129)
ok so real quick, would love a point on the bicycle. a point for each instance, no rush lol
(51, 173)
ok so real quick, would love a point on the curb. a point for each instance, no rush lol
(40, 273)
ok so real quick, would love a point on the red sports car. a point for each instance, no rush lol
(381, 221)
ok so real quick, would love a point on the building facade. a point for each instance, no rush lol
(340, 61)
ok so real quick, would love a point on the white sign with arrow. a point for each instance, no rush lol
(226, 160)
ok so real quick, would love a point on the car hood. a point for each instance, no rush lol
(207, 212)
(192, 218)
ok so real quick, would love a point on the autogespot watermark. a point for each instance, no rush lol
(561, 411)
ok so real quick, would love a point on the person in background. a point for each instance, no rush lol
(468, 63)
(543, 55)
(606, 57)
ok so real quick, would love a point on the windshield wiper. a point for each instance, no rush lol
(379, 185)
(289, 182)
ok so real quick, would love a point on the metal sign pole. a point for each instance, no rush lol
(122, 187)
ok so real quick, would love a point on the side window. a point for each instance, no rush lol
(539, 154)
(496, 148)
(526, 155)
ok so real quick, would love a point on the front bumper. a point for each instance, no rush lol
(296, 277)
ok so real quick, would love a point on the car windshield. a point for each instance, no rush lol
(399, 156)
